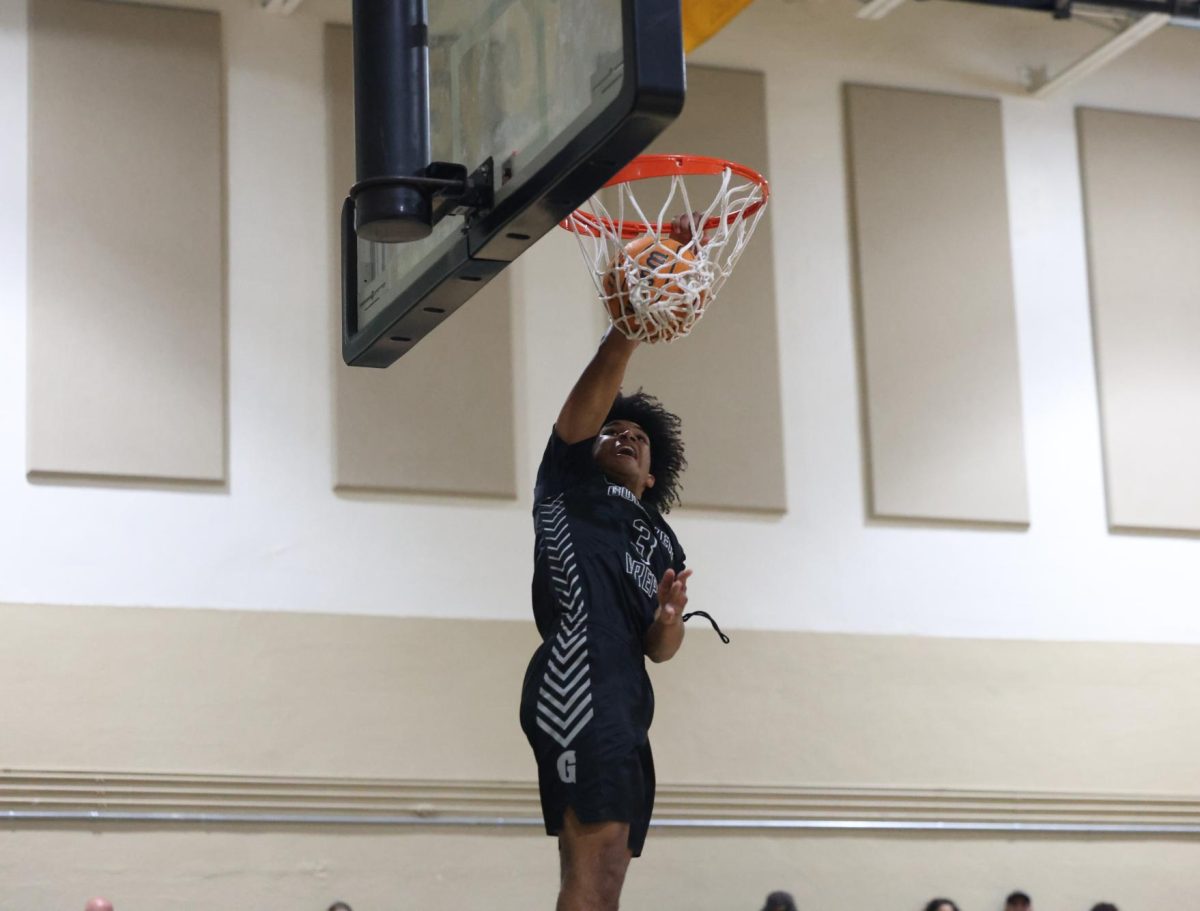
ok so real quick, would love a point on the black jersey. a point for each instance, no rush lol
(587, 701)
(596, 540)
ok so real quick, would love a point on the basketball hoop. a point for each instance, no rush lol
(655, 288)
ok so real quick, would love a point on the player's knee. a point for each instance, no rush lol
(602, 871)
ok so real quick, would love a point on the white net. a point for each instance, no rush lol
(656, 280)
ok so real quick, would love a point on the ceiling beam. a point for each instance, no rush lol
(1135, 33)
(877, 9)
(280, 7)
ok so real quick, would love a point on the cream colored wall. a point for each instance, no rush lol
(1144, 305)
(933, 267)
(233, 712)
(144, 690)
(126, 196)
(281, 538)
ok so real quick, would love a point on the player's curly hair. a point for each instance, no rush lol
(666, 444)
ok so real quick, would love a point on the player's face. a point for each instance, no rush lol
(622, 451)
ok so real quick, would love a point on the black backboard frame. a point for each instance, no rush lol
(559, 181)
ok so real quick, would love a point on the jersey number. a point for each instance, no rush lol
(646, 542)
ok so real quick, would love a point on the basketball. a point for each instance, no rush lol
(650, 289)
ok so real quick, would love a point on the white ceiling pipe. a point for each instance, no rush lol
(877, 9)
(281, 7)
(1139, 31)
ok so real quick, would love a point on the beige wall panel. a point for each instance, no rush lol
(126, 316)
(303, 694)
(439, 420)
(937, 322)
(1142, 197)
(723, 379)
(363, 698)
(257, 869)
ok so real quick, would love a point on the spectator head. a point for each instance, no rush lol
(98, 904)
(1104, 906)
(780, 901)
(941, 904)
(339, 906)
(1018, 901)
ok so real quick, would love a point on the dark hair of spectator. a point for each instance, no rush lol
(1019, 899)
(780, 901)
(1104, 906)
(936, 904)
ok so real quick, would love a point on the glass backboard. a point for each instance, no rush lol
(557, 95)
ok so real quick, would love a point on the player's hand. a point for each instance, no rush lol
(685, 228)
(672, 597)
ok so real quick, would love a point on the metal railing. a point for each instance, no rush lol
(417, 821)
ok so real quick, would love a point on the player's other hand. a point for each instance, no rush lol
(672, 597)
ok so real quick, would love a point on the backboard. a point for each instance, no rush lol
(542, 100)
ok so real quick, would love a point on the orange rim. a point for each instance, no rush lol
(647, 167)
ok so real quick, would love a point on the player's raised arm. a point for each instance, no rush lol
(583, 413)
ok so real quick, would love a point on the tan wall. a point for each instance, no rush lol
(1144, 308)
(126, 241)
(302, 694)
(400, 714)
(937, 323)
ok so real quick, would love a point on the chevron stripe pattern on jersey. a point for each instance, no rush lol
(564, 705)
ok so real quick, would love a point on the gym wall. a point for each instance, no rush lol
(303, 632)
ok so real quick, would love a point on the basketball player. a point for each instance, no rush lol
(609, 589)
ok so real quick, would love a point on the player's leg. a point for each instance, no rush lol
(593, 859)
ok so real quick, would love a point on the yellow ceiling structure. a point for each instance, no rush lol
(704, 18)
